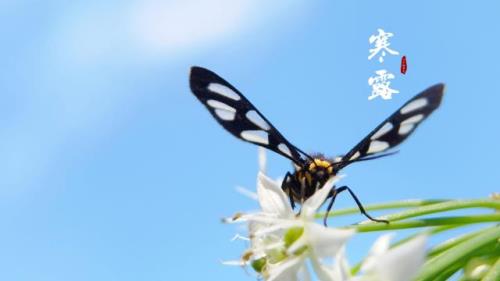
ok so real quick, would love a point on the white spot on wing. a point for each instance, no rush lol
(257, 136)
(355, 156)
(414, 105)
(377, 146)
(225, 115)
(337, 159)
(223, 91)
(382, 131)
(413, 119)
(405, 129)
(219, 105)
(255, 118)
(222, 110)
(284, 148)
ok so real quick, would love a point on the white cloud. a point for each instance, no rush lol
(90, 43)
(139, 29)
(166, 26)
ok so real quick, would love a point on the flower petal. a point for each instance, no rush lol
(246, 192)
(314, 202)
(324, 241)
(285, 271)
(234, 263)
(266, 230)
(380, 246)
(341, 269)
(272, 199)
(324, 273)
(403, 262)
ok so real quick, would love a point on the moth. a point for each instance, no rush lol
(242, 119)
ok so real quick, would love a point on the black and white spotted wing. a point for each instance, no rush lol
(237, 115)
(398, 126)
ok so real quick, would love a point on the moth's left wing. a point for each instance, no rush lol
(237, 115)
(397, 127)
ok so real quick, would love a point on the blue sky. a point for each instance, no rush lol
(112, 170)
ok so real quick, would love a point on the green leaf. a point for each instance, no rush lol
(462, 220)
(494, 273)
(458, 254)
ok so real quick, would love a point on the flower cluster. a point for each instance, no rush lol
(282, 243)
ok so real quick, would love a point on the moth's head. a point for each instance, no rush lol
(317, 167)
(311, 175)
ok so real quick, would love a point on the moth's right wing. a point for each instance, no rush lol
(395, 129)
(237, 115)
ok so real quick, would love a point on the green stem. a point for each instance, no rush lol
(453, 242)
(445, 206)
(382, 206)
(432, 231)
(458, 254)
(424, 207)
(494, 273)
(464, 261)
(427, 222)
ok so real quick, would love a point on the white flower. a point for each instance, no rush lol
(281, 242)
(383, 264)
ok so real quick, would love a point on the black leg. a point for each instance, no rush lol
(360, 206)
(303, 189)
(333, 194)
(284, 185)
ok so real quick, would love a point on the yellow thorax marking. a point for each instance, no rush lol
(320, 163)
